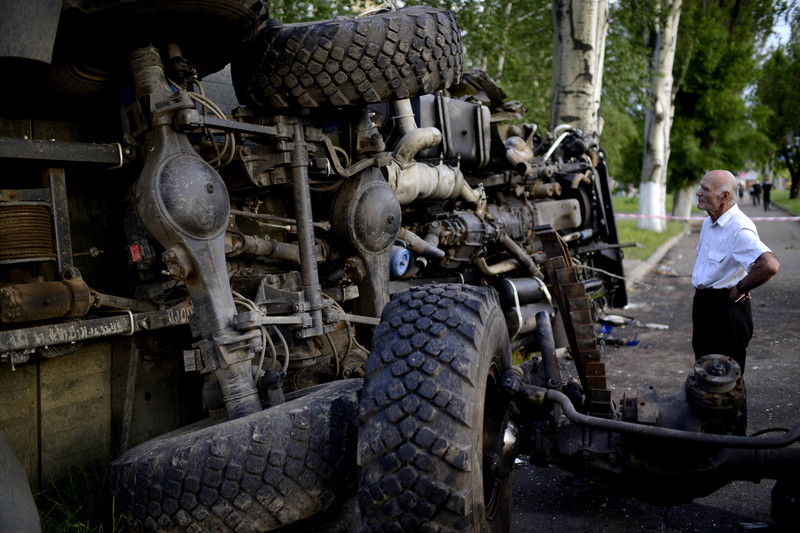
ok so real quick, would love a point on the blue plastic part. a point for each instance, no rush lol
(398, 264)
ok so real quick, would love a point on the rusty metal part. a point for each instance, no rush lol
(111, 154)
(575, 310)
(547, 345)
(55, 182)
(239, 243)
(715, 386)
(26, 232)
(27, 339)
(117, 302)
(41, 300)
(545, 190)
(178, 262)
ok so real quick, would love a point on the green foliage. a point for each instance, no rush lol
(622, 142)
(777, 91)
(512, 40)
(630, 204)
(715, 122)
(625, 204)
(628, 51)
(624, 95)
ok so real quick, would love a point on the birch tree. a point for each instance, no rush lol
(658, 117)
(777, 90)
(716, 68)
(579, 35)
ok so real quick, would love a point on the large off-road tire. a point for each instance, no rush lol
(95, 37)
(430, 437)
(352, 61)
(255, 473)
(17, 508)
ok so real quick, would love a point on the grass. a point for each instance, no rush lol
(648, 241)
(781, 198)
(81, 503)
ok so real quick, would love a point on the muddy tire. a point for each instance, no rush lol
(95, 37)
(430, 440)
(256, 473)
(354, 61)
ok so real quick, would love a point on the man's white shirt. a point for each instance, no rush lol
(726, 250)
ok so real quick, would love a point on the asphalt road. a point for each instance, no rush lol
(546, 500)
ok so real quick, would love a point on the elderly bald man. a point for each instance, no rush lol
(731, 262)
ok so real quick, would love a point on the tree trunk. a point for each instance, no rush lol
(658, 118)
(794, 172)
(684, 200)
(501, 58)
(579, 42)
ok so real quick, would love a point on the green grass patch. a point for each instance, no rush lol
(781, 198)
(625, 204)
(648, 241)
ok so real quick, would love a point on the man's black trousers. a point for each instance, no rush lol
(720, 325)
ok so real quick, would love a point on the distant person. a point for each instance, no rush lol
(755, 192)
(741, 193)
(766, 187)
(731, 261)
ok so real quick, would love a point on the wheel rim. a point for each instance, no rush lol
(495, 465)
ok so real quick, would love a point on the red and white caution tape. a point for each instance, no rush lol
(668, 217)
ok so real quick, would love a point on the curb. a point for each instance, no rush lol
(635, 271)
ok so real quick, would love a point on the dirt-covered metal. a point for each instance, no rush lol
(260, 311)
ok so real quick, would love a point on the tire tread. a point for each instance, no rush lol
(256, 473)
(419, 375)
(402, 54)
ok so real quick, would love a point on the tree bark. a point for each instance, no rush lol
(684, 200)
(579, 42)
(658, 118)
(501, 58)
(794, 172)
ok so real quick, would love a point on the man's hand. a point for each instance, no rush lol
(761, 271)
(739, 296)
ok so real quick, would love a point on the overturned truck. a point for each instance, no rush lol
(262, 310)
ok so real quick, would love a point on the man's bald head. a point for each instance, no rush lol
(717, 193)
(724, 181)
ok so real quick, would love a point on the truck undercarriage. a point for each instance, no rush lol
(332, 277)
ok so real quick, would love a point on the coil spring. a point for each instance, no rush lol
(26, 233)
